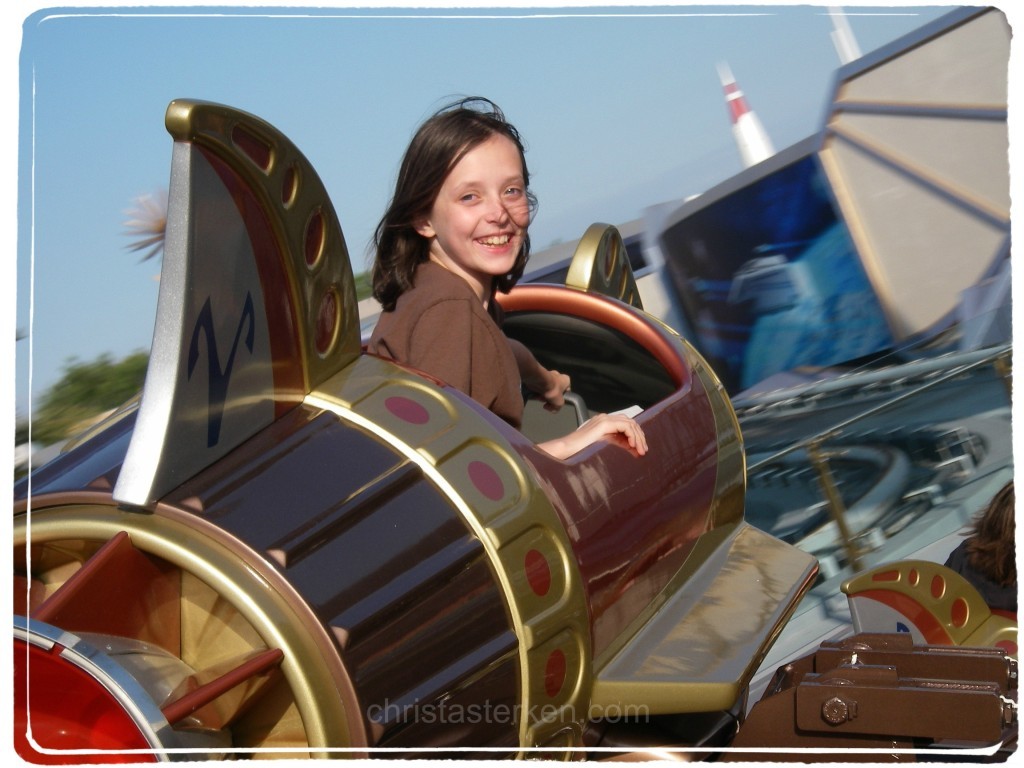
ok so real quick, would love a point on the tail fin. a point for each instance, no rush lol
(257, 301)
(600, 264)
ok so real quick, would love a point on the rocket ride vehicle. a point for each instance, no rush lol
(287, 547)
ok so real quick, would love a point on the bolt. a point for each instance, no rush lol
(836, 711)
(1009, 712)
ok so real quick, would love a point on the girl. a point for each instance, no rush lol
(454, 234)
(987, 557)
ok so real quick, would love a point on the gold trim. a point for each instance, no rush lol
(700, 640)
(731, 476)
(311, 664)
(293, 196)
(600, 264)
(935, 589)
(512, 517)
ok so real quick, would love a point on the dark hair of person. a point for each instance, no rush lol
(437, 146)
(990, 547)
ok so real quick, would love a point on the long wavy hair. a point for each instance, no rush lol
(438, 145)
(990, 547)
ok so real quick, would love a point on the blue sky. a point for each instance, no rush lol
(620, 107)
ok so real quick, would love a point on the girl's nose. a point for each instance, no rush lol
(497, 212)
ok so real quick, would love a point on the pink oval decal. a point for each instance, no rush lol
(486, 480)
(407, 410)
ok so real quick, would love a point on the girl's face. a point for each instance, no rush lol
(478, 221)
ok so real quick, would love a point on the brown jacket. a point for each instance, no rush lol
(441, 328)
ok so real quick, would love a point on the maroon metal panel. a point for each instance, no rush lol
(632, 520)
(382, 558)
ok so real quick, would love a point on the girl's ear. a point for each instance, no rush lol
(424, 229)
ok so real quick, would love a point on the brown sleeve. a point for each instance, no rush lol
(458, 346)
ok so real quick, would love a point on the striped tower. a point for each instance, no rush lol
(842, 36)
(751, 138)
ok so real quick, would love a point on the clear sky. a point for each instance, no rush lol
(620, 106)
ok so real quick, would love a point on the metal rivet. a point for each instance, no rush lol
(835, 711)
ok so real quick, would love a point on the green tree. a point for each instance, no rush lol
(364, 286)
(84, 391)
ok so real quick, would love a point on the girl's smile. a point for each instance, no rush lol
(478, 222)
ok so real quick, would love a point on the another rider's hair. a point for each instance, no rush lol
(990, 546)
(438, 145)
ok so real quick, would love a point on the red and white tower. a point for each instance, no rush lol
(750, 135)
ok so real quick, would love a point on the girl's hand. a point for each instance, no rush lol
(600, 426)
(551, 390)
(550, 386)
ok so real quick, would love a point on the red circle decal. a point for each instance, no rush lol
(326, 322)
(538, 572)
(1007, 645)
(554, 673)
(959, 613)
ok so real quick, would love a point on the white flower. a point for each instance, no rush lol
(148, 222)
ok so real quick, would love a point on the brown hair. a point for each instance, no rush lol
(435, 149)
(990, 548)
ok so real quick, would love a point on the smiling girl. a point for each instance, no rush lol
(455, 233)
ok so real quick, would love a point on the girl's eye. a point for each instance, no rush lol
(468, 197)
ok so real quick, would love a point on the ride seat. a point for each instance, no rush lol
(933, 603)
